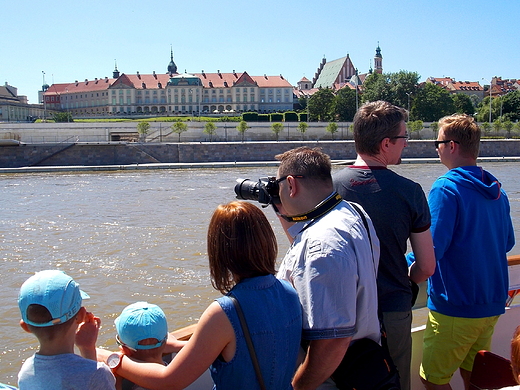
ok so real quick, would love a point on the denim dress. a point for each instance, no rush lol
(273, 315)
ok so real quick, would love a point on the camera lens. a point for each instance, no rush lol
(246, 189)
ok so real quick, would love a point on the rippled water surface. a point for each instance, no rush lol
(129, 236)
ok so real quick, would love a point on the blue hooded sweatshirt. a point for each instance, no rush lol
(472, 233)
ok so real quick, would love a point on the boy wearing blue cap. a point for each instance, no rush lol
(142, 332)
(50, 303)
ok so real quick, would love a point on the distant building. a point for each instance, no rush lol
(500, 87)
(15, 108)
(172, 93)
(466, 87)
(337, 74)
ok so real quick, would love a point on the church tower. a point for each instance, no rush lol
(172, 68)
(378, 60)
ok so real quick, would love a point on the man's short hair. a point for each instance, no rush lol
(463, 129)
(311, 163)
(515, 353)
(375, 121)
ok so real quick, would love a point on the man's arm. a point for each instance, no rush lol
(323, 357)
(424, 265)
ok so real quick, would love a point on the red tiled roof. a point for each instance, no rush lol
(149, 80)
(141, 81)
(467, 86)
(218, 80)
(272, 81)
(78, 87)
(304, 92)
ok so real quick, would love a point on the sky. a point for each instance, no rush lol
(63, 41)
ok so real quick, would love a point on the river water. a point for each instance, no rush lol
(131, 235)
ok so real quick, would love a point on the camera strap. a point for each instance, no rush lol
(322, 209)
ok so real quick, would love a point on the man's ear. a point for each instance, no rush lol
(24, 326)
(383, 145)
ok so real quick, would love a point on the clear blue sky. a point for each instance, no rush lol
(69, 40)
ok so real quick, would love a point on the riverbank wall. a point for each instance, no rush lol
(127, 153)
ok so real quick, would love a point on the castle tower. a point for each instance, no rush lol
(115, 73)
(378, 60)
(172, 68)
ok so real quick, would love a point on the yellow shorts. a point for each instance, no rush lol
(453, 342)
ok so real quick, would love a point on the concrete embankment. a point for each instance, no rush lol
(120, 155)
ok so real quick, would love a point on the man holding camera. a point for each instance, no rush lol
(332, 264)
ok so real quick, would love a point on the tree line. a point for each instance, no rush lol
(426, 102)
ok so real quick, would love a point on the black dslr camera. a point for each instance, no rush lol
(264, 191)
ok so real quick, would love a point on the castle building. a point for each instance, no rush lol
(16, 108)
(171, 93)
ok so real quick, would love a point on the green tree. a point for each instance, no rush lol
(497, 126)
(434, 126)
(62, 117)
(463, 104)
(486, 127)
(483, 110)
(277, 128)
(416, 127)
(403, 85)
(321, 105)
(242, 128)
(375, 88)
(508, 126)
(396, 88)
(210, 128)
(345, 104)
(332, 128)
(511, 106)
(302, 128)
(143, 128)
(179, 127)
(516, 127)
(302, 101)
(432, 102)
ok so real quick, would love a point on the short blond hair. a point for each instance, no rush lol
(464, 129)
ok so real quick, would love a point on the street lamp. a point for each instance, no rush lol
(408, 94)
(357, 82)
(490, 84)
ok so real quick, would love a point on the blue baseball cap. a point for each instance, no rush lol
(140, 321)
(54, 290)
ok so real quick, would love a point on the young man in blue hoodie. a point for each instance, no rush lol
(472, 233)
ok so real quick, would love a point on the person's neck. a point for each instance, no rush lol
(56, 347)
(461, 162)
(370, 161)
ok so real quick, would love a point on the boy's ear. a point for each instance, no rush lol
(80, 317)
(127, 351)
(24, 326)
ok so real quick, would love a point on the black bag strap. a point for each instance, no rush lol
(249, 341)
(384, 341)
(362, 215)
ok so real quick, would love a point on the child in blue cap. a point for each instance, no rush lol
(51, 305)
(142, 331)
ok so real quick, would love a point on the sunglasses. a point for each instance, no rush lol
(437, 143)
